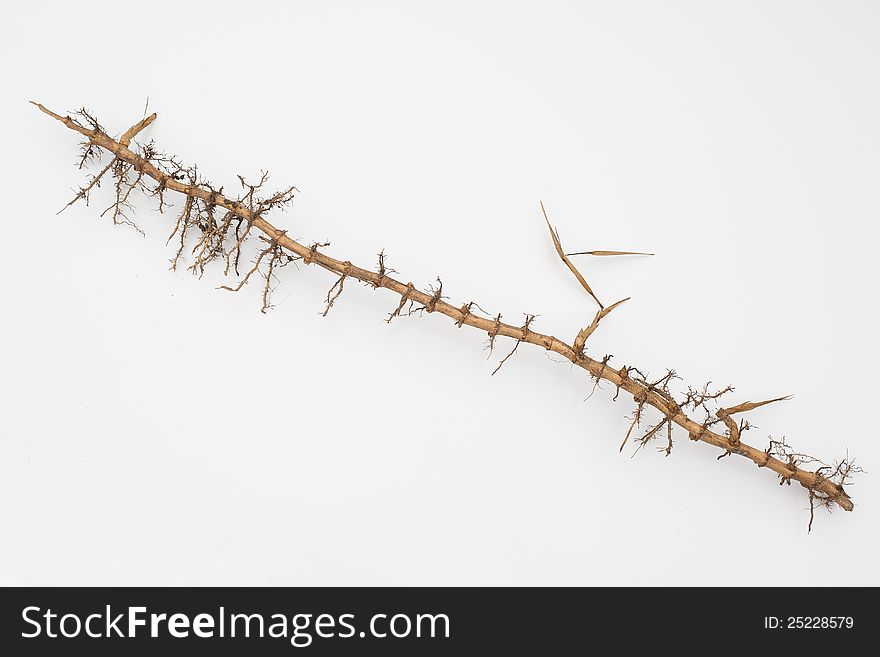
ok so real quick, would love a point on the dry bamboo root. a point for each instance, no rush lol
(223, 225)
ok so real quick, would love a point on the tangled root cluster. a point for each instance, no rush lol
(203, 233)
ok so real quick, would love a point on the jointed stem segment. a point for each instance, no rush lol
(825, 485)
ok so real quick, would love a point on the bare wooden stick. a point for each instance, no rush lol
(825, 485)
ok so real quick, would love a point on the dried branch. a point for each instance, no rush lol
(135, 170)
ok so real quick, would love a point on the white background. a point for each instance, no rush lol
(156, 430)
